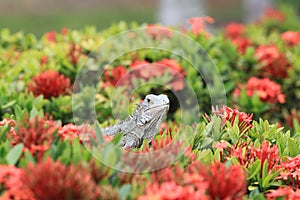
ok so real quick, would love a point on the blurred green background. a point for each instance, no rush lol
(40, 16)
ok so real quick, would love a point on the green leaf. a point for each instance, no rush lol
(293, 147)
(76, 151)
(109, 154)
(124, 191)
(253, 169)
(33, 112)
(14, 154)
(9, 104)
(98, 133)
(117, 139)
(265, 169)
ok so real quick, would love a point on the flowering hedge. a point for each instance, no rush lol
(232, 155)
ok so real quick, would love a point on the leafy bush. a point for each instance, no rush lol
(229, 154)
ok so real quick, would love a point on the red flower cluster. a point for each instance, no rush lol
(229, 114)
(7, 121)
(44, 60)
(36, 134)
(198, 24)
(223, 182)
(247, 154)
(273, 14)
(291, 38)
(234, 30)
(291, 172)
(158, 32)
(53, 180)
(273, 62)
(83, 132)
(287, 192)
(267, 90)
(11, 184)
(146, 70)
(50, 84)
(114, 75)
(75, 53)
(172, 183)
(51, 36)
(242, 43)
(215, 181)
(266, 153)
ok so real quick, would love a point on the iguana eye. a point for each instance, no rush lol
(148, 100)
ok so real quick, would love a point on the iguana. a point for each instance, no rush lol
(143, 123)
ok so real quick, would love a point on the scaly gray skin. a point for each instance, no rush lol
(144, 122)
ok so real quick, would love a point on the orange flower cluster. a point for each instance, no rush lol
(267, 90)
(273, 62)
(50, 84)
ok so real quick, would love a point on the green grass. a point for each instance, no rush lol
(41, 23)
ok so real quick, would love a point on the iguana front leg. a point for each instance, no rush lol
(112, 130)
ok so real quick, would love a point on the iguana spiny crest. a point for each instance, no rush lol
(144, 122)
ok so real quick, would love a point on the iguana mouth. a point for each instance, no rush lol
(166, 105)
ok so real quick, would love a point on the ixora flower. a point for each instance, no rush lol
(50, 84)
(7, 121)
(158, 32)
(51, 36)
(146, 70)
(291, 38)
(36, 134)
(75, 53)
(290, 173)
(272, 14)
(273, 62)
(53, 180)
(284, 192)
(234, 30)
(11, 185)
(266, 153)
(172, 183)
(83, 132)
(267, 90)
(198, 24)
(229, 114)
(224, 182)
(242, 43)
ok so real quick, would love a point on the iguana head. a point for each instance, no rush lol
(150, 112)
